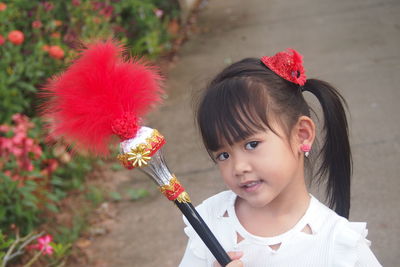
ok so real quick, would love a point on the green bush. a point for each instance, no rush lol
(37, 39)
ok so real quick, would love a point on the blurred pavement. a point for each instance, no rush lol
(352, 44)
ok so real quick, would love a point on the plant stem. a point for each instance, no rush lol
(34, 259)
(9, 251)
(28, 239)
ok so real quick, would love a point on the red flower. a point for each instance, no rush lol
(48, 6)
(56, 52)
(46, 48)
(96, 20)
(76, 2)
(107, 11)
(3, 6)
(57, 23)
(37, 24)
(16, 37)
(56, 35)
(2, 40)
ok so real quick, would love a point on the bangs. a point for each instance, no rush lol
(231, 111)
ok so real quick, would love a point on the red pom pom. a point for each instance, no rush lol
(98, 95)
(126, 127)
(287, 64)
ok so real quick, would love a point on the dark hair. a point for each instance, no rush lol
(236, 104)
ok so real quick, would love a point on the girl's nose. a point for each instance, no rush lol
(241, 166)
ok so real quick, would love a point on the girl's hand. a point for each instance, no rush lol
(235, 256)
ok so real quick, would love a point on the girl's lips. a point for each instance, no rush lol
(251, 186)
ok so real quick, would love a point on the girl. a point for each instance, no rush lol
(256, 126)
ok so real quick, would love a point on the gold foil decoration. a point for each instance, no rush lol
(175, 191)
(139, 156)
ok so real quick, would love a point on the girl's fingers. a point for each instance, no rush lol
(235, 263)
(235, 256)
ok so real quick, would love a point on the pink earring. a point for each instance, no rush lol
(306, 149)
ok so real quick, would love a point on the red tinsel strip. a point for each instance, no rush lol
(174, 194)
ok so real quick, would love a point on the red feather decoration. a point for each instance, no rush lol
(99, 95)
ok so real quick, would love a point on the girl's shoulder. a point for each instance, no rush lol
(350, 247)
(327, 220)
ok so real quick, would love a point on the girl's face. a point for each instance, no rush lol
(262, 167)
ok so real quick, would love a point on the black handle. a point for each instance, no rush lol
(204, 232)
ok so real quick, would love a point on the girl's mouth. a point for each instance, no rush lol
(251, 186)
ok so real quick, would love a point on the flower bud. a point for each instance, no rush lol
(16, 37)
(56, 52)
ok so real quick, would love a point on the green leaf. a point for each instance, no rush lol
(95, 195)
(52, 207)
(56, 180)
(116, 167)
(115, 196)
(135, 194)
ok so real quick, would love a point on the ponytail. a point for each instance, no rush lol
(335, 155)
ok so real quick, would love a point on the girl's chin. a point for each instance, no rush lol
(257, 196)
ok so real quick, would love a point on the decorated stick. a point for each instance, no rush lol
(101, 95)
(145, 151)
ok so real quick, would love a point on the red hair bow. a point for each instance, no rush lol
(288, 64)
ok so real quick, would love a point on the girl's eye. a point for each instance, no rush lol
(222, 156)
(252, 145)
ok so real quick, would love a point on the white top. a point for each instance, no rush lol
(333, 241)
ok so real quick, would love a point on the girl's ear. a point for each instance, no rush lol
(305, 131)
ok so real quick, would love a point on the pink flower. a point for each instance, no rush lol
(2, 40)
(28, 142)
(52, 165)
(19, 138)
(37, 24)
(16, 151)
(97, 5)
(44, 245)
(37, 151)
(4, 128)
(6, 144)
(158, 12)
(17, 117)
(16, 177)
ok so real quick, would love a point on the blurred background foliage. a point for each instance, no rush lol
(37, 40)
